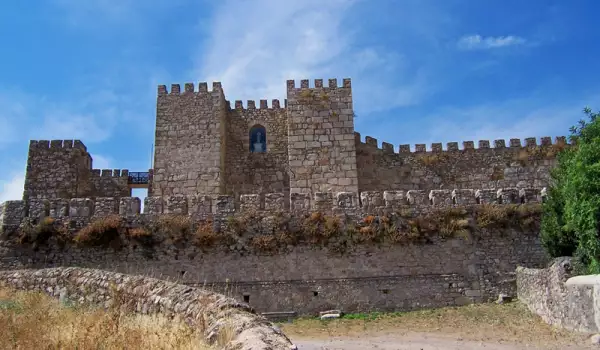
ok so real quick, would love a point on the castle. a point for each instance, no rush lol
(205, 146)
(214, 160)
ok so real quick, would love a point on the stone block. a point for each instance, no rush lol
(346, 200)
(299, 201)
(223, 204)
(486, 196)
(81, 207)
(129, 206)
(371, 200)
(177, 204)
(59, 208)
(274, 201)
(154, 205)
(464, 197)
(322, 201)
(440, 198)
(250, 202)
(106, 206)
(200, 207)
(417, 197)
(509, 196)
(39, 208)
(12, 212)
(394, 199)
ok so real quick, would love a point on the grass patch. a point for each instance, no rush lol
(32, 320)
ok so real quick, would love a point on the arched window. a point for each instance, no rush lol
(258, 139)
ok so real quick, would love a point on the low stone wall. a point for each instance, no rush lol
(561, 300)
(211, 312)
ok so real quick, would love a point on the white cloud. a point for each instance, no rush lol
(12, 189)
(101, 162)
(474, 42)
(255, 46)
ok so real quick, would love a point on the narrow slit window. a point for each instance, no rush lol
(258, 139)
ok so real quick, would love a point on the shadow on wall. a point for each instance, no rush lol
(212, 313)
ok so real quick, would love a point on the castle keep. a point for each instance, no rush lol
(204, 145)
(329, 219)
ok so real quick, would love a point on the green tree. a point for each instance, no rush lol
(571, 213)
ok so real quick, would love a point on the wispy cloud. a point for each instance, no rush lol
(478, 42)
(12, 189)
(252, 51)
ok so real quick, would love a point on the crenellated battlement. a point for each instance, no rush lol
(189, 88)
(318, 84)
(263, 105)
(499, 144)
(56, 144)
(219, 206)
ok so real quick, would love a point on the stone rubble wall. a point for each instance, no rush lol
(518, 165)
(210, 312)
(559, 299)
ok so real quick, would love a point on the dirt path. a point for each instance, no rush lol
(424, 341)
(483, 326)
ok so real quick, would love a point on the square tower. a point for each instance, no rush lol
(321, 144)
(189, 151)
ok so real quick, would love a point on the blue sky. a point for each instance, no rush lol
(423, 71)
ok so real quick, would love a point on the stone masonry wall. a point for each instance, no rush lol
(190, 135)
(518, 165)
(561, 300)
(209, 312)
(257, 172)
(321, 148)
(307, 278)
(63, 169)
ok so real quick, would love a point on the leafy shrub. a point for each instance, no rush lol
(572, 210)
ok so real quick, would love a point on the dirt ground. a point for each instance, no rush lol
(487, 326)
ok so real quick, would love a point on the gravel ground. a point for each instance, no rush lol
(425, 341)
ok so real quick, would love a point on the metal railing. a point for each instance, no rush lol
(138, 178)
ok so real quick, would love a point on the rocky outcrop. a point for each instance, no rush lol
(214, 314)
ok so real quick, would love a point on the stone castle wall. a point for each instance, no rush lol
(305, 278)
(63, 169)
(257, 172)
(517, 165)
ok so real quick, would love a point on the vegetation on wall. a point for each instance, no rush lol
(267, 232)
(572, 210)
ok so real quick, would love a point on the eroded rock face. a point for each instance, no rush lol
(212, 313)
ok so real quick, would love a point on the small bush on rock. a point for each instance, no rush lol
(177, 227)
(205, 235)
(46, 229)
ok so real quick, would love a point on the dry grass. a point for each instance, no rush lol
(35, 321)
(205, 235)
(46, 229)
(480, 322)
(101, 231)
(177, 227)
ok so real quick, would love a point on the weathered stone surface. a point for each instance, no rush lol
(559, 299)
(204, 310)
